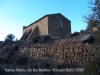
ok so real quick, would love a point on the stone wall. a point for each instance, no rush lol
(42, 26)
(55, 25)
(70, 53)
(58, 26)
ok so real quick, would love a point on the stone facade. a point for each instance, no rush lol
(55, 25)
(58, 26)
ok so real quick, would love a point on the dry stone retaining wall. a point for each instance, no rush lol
(70, 53)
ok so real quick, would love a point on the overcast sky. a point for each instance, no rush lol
(14, 14)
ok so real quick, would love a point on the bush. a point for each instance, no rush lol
(35, 39)
(41, 39)
(9, 37)
(75, 34)
(93, 67)
(21, 60)
(82, 31)
(1, 43)
(44, 39)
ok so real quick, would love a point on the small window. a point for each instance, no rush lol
(60, 24)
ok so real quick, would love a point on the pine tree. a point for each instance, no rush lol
(93, 19)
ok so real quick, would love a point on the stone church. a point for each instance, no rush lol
(55, 25)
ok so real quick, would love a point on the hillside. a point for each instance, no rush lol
(15, 56)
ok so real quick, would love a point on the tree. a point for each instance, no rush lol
(16, 39)
(93, 19)
(9, 37)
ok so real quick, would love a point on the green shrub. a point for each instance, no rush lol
(93, 67)
(75, 34)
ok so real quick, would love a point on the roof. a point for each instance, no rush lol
(44, 17)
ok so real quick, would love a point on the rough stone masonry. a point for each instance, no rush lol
(55, 25)
(73, 53)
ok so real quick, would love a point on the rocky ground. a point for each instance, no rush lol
(9, 61)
